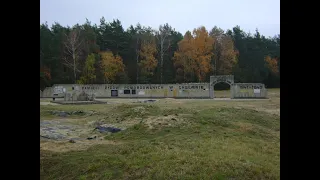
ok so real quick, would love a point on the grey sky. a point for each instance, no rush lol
(182, 15)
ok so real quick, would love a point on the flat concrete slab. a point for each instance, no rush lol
(78, 102)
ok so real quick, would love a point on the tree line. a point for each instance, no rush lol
(106, 53)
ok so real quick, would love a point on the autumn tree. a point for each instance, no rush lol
(272, 65)
(45, 77)
(168, 65)
(225, 55)
(139, 35)
(45, 72)
(138, 38)
(228, 56)
(111, 65)
(183, 59)
(176, 58)
(194, 54)
(73, 49)
(202, 52)
(148, 62)
(88, 71)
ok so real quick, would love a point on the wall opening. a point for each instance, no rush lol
(222, 90)
(114, 93)
(126, 91)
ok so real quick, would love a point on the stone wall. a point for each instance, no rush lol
(47, 92)
(192, 90)
(249, 90)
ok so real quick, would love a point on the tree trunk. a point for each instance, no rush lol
(161, 63)
(137, 68)
(74, 68)
(161, 69)
(215, 66)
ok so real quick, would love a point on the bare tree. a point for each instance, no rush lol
(73, 46)
(217, 35)
(224, 52)
(163, 36)
(141, 33)
(137, 58)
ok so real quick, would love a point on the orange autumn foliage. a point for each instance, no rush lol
(111, 65)
(46, 72)
(147, 53)
(194, 53)
(272, 64)
(228, 56)
(182, 59)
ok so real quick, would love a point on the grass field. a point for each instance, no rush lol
(169, 139)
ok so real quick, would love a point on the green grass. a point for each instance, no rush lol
(216, 141)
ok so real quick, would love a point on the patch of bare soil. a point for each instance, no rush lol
(63, 129)
(130, 122)
(244, 127)
(275, 111)
(164, 121)
(267, 110)
(139, 110)
(68, 134)
(271, 111)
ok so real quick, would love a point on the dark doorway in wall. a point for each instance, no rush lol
(222, 90)
(127, 91)
(114, 93)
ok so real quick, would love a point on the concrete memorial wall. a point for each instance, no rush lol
(249, 90)
(47, 92)
(190, 90)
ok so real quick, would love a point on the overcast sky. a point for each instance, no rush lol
(182, 15)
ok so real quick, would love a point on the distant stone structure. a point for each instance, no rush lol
(239, 90)
(87, 92)
(229, 79)
(78, 96)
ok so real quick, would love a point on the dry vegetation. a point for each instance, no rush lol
(168, 139)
